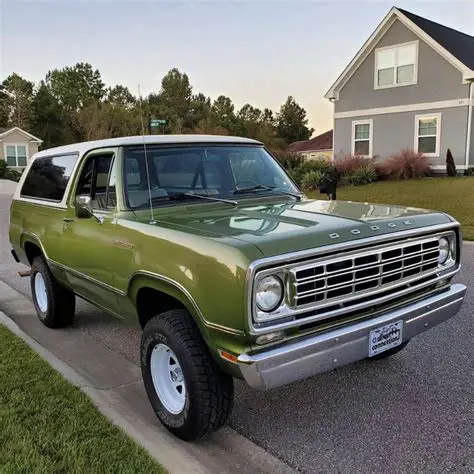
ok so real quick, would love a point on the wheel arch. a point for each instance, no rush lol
(32, 247)
(144, 287)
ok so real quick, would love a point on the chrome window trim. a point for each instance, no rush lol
(285, 261)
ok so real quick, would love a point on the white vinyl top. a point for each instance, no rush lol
(84, 147)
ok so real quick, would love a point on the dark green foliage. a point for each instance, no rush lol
(450, 166)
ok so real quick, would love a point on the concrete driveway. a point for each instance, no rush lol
(412, 412)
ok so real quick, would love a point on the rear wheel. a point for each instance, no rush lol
(390, 352)
(54, 304)
(190, 394)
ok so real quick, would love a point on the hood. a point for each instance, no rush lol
(282, 227)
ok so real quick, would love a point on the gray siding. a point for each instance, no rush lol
(438, 80)
(393, 132)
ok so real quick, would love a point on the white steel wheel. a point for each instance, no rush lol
(168, 378)
(40, 292)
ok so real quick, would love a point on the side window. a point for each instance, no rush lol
(97, 180)
(48, 177)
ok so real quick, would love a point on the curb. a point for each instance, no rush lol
(226, 451)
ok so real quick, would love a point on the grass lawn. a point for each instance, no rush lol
(47, 425)
(452, 195)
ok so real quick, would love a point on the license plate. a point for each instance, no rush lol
(385, 337)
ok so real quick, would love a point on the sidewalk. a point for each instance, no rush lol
(115, 386)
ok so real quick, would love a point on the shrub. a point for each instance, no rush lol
(290, 161)
(450, 166)
(360, 176)
(12, 175)
(312, 180)
(406, 165)
(3, 168)
(350, 163)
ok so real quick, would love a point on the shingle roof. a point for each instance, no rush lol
(460, 45)
(319, 143)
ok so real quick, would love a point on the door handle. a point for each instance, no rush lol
(68, 219)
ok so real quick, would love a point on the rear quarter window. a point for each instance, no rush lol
(48, 177)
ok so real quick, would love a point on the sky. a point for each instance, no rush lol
(258, 52)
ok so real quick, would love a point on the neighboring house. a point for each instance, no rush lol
(17, 146)
(410, 86)
(314, 148)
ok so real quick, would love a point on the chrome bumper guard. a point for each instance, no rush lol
(323, 352)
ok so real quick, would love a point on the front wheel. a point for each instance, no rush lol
(190, 394)
(54, 304)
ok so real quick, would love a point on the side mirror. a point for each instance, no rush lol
(83, 207)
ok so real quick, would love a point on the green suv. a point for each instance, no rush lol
(206, 244)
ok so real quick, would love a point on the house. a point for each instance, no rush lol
(411, 85)
(17, 146)
(314, 148)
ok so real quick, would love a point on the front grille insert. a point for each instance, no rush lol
(358, 275)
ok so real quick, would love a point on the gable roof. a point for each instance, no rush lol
(454, 46)
(319, 143)
(6, 131)
(460, 45)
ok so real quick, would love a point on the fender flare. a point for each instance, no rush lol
(142, 279)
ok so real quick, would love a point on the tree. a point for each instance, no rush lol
(223, 114)
(174, 100)
(291, 122)
(120, 96)
(48, 117)
(77, 86)
(17, 96)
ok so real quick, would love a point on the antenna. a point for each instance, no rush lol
(152, 221)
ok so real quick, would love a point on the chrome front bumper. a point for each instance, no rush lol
(317, 354)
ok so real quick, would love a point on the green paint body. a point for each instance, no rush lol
(198, 253)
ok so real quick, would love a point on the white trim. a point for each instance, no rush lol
(415, 66)
(16, 145)
(371, 136)
(443, 167)
(20, 130)
(369, 45)
(470, 130)
(438, 133)
(443, 104)
(314, 151)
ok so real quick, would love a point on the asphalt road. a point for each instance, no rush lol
(410, 413)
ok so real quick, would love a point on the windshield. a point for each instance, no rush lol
(228, 172)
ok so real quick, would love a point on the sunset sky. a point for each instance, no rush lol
(256, 52)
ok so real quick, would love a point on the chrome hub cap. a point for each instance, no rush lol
(168, 378)
(40, 292)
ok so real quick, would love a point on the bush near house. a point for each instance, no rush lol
(407, 164)
(8, 173)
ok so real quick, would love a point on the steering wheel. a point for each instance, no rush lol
(238, 184)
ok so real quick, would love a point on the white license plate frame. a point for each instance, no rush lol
(385, 337)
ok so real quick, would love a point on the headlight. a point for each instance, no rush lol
(444, 250)
(269, 293)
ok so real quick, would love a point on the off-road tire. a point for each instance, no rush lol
(61, 305)
(209, 391)
(390, 352)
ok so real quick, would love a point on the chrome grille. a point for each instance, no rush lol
(356, 275)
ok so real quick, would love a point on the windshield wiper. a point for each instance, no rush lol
(262, 187)
(200, 196)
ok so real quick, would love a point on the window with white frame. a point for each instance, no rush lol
(396, 65)
(427, 134)
(362, 132)
(16, 155)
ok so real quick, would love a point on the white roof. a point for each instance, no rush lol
(84, 147)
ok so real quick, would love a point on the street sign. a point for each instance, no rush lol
(157, 122)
